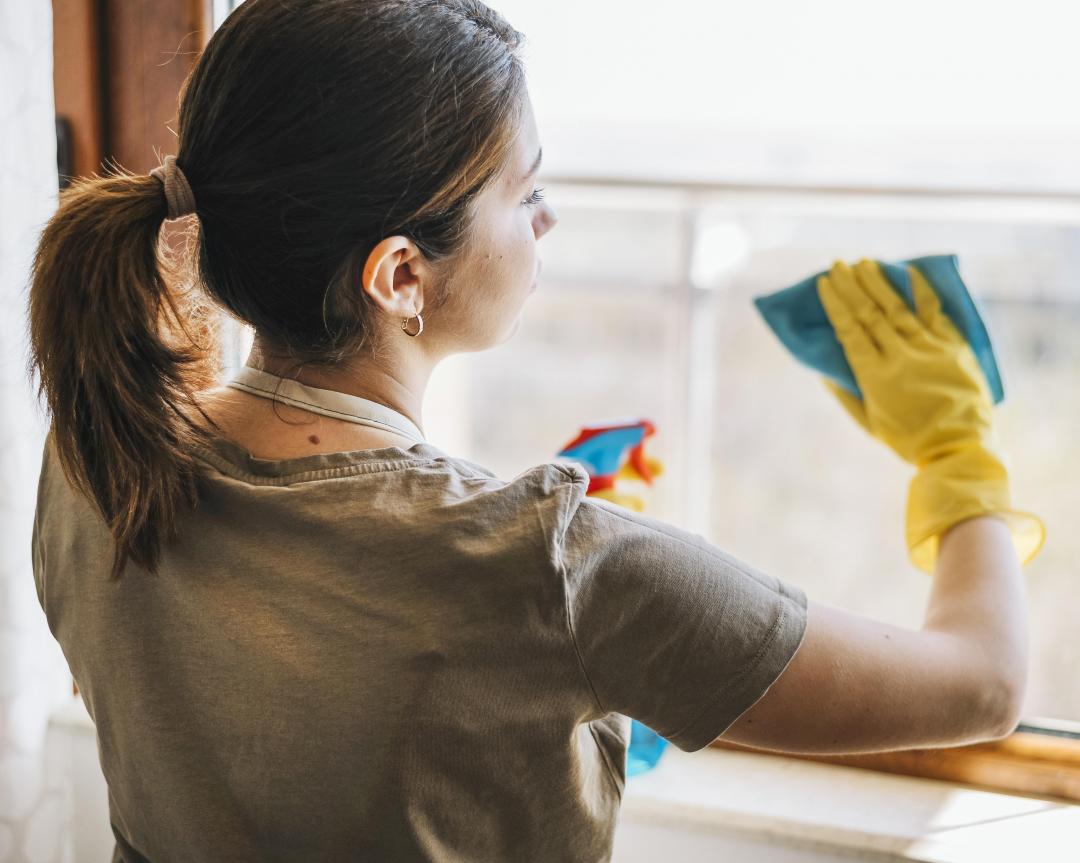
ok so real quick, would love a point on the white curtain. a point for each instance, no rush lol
(34, 677)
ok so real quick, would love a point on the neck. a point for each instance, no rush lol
(398, 382)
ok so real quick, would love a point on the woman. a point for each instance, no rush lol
(303, 631)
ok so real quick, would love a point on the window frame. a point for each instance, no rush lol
(1041, 757)
(1037, 760)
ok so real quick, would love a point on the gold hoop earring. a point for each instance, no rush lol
(405, 325)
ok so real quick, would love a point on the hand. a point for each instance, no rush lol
(925, 396)
(924, 393)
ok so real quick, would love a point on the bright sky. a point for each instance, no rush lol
(920, 91)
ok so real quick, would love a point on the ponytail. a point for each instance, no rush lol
(120, 347)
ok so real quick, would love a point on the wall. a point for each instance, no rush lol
(34, 678)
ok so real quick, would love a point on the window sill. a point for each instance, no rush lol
(1043, 761)
(776, 800)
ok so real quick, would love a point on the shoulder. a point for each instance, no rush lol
(534, 506)
(553, 488)
(565, 482)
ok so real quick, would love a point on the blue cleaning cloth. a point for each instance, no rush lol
(797, 317)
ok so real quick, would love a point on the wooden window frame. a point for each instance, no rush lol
(118, 86)
(1040, 759)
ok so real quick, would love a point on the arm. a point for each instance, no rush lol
(978, 599)
(856, 685)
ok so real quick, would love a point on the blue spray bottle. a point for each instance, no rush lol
(608, 452)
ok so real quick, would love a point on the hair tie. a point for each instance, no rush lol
(177, 189)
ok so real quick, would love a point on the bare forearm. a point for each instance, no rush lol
(978, 597)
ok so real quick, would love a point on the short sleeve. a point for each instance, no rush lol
(670, 629)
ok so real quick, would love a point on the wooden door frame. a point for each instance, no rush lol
(118, 68)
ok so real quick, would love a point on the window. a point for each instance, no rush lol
(712, 154)
(220, 9)
(762, 460)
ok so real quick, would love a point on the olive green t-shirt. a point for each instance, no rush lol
(395, 655)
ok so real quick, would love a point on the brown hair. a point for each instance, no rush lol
(308, 131)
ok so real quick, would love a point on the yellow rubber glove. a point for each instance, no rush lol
(925, 397)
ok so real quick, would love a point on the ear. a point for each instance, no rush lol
(394, 276)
